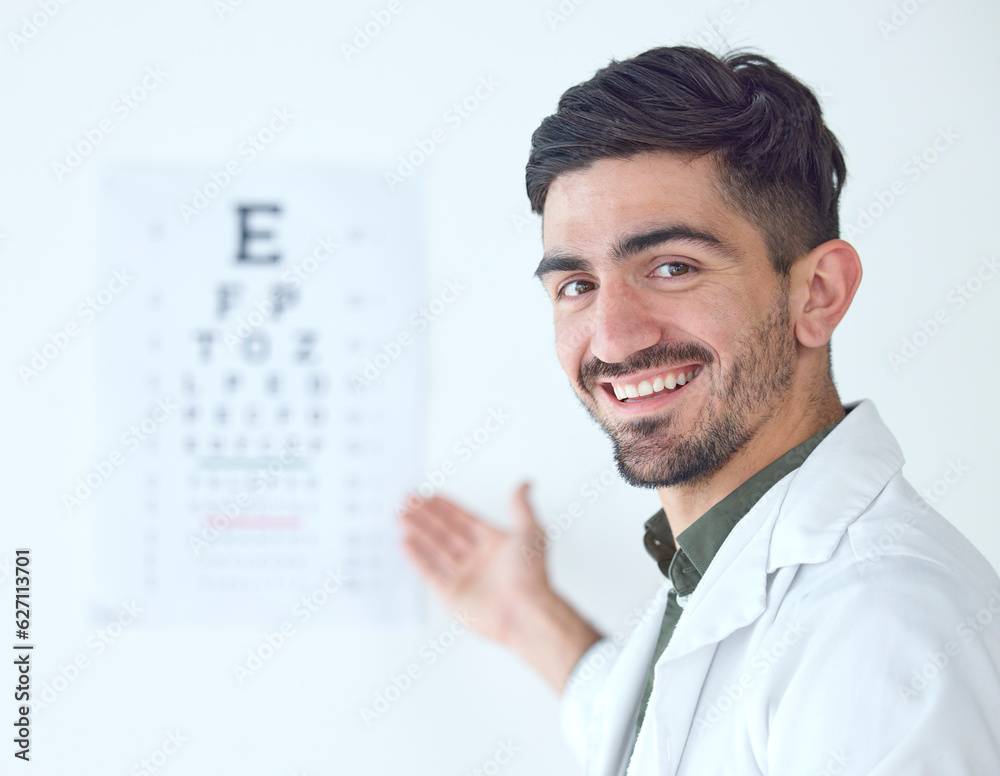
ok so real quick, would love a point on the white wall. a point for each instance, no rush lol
(886, 96)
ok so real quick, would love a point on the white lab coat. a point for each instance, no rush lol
(844, 627)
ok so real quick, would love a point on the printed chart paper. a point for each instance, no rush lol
(246, 465)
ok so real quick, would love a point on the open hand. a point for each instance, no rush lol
(481, 572)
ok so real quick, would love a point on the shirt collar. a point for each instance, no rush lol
(700, 541)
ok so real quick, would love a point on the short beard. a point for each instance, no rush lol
(761, 375)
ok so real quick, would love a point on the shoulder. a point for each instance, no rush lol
(902, 587)
(900, 549)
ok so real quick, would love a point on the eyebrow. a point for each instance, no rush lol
(558, 260)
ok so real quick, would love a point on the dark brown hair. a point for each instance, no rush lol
(778, 164)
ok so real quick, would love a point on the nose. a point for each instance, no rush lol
(624, 322)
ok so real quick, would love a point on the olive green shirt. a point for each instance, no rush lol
(699, 543)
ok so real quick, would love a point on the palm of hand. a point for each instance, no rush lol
(482, 573)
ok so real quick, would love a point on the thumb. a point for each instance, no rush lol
(524, 516)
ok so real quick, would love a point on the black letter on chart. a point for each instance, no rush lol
(247, 234)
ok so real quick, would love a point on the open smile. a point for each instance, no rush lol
(652, 386)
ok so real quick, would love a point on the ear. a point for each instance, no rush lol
(823, 283)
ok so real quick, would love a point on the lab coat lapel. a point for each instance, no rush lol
(617, 709)
(732, 594)
(669, 716)
(865, 455)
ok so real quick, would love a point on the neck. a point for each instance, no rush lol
(791, 425)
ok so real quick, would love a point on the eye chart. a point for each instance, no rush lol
(245, 465)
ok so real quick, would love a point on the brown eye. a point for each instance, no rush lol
(673, 269)
(573, 288)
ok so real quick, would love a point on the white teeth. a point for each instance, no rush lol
(647, 388)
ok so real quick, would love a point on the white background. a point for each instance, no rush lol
(886, 95)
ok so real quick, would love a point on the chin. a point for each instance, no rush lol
(649, 455)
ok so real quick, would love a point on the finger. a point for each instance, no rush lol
(434, 531)
(427, 561)
(448, 517)
(461, 522)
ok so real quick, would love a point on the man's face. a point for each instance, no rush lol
(670, 321)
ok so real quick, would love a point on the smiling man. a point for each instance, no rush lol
(678, 328)
(817, 616)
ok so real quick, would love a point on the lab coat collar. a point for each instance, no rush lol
(800, 520)
(819, 507)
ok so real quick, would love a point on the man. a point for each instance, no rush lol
(818, 617)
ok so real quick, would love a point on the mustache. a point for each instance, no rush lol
(662, 354)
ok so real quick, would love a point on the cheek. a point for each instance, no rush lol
(731, 329)
(726, 324)
(718, 325)
(572, 338)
